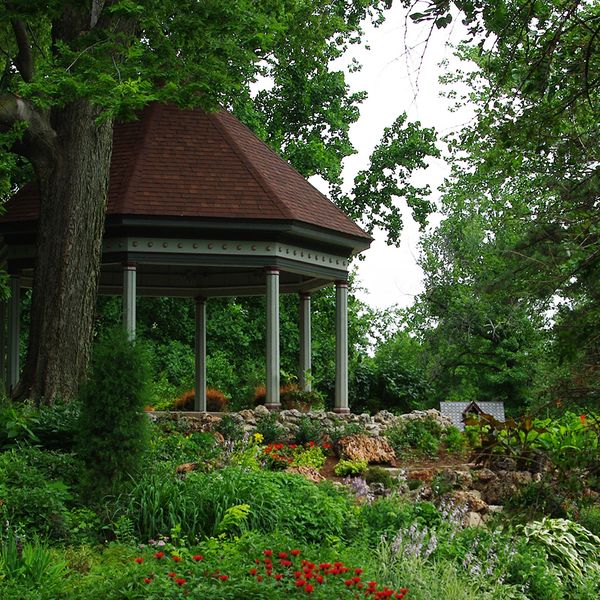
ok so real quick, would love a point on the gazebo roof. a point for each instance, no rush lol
(189, 164)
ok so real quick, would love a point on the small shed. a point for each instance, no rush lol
(457, 412)
(199, 207)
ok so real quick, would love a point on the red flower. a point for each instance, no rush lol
(300, 582)
(177, 558)
(285, 563)
(197, 557)
(180, 581)
(252, 571)
(292, 446)
(139, 560)
(223, 577)
(172, 575)
(358, 571)
(308, 588)
(348, 582)
(159, 555)
(295, 552)
(282, 555)
(311, 444)
(259, 578)
(268, 552)
(147, 579)
(326, 446)
(582, 418)
(278, 576)
(319, 578)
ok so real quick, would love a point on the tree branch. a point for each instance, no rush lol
(38, 142)
(24, 58)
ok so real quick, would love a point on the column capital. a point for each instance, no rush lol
(305, 295)
(272, 270)
(341, 283)
(129, 265)
(200, 299)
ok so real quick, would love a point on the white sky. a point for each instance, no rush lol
(391, 275)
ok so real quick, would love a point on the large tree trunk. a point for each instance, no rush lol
(73, 189)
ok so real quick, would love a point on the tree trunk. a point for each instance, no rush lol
(73, 191)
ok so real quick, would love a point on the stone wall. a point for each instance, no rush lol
(374, 425)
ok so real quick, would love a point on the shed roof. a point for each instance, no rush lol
(189, 163)
(455, 410)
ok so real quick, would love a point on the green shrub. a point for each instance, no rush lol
(589, 517)
(309, 430)
(453, 440)
(379, 475)
(278, 502)
(113, 426)
(269, 428)
(312, 456)
(230, 429)
(34, 496)
(350, 467)
(419, 436)
(342, 429)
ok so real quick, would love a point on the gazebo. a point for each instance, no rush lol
(199, 207)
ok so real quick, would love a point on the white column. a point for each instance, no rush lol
(14, 319)
(305, 343)
(129, 298)
(200, 388)
(272, 400)
(341, 347)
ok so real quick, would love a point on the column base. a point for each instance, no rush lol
(273, 407)
(342, 411)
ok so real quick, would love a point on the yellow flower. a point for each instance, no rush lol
(258, 437)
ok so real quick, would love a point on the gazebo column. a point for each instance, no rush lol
(129, 298)
(341, 347)
(305, 343)
(3, 315)
(200, 359)
(272, 400)
(14, 318)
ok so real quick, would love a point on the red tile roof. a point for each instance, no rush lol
(188, 163)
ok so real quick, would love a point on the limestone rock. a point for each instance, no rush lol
(363, 447)
(473, 519)
(426, 475)
(471, 499)
(261, 411)
(309, 473)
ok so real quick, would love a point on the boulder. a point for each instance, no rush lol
(363, 447)
(471, 499)
(473, 519)
(309, 473)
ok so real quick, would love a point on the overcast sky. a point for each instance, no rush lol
(391, 275)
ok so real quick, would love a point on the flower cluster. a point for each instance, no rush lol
(287, 567)
(281, 456)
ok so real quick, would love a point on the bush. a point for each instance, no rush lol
(216, 401)
(379, 475)
(230, 429)
(419, 436)
(589, 517)
(35, 491)
(350, 467)
(309, 430)
(269, 428)
(113, 426)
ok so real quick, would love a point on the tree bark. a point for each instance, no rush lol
(73, 190)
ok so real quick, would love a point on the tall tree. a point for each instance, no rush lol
(71, 67)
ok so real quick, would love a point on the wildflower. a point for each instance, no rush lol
(285, 563)
(139, 560)
(147, 579)
(282, 555)
(295, 552)
(278, 576)
(223, 577)
(268, 552)
(358, 571)
(180, 581)
(348, 582)
(258, 437)
(308, 588)
(300, 582)
(259, 578)
(319, 578)
(197, 557)
(582, 418)
(177, 558)
(172, 575)
(159, 555)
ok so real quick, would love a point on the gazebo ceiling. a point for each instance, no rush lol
(201, 205)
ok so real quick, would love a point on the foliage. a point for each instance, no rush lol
(216, 401)
(379, 475)
(350, 467)
(589, 517)
(417, 436)
(570, 546)
(176, 448)
(113, 426)
(269, 428)
(230, 429)
(309, 430)
(278, 501)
